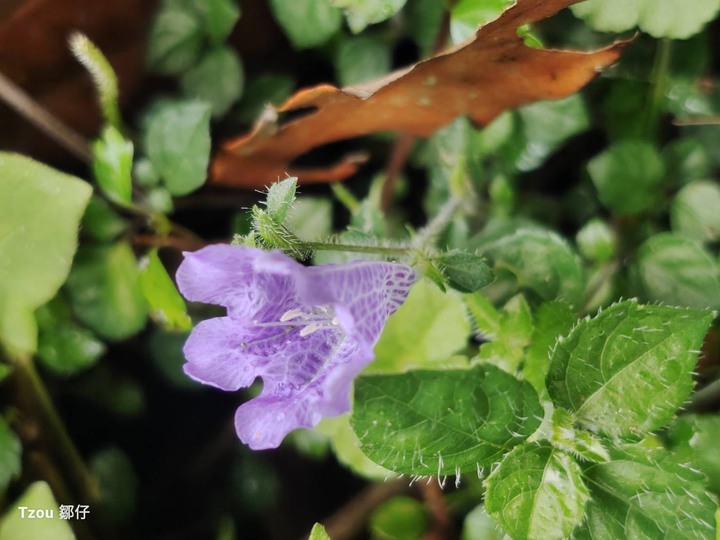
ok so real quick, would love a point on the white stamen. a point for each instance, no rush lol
(310, 328)
(291, 314)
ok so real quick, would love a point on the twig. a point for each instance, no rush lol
(442, 525)
(705, 121)
(404, 143)
(351, 518)
(41, 118)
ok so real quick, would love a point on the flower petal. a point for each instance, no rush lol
(215, 355)
(226, 276)
(263, 422)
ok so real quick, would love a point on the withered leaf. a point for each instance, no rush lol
(481, 78)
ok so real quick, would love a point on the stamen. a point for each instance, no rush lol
(311, 328)
(291, 314)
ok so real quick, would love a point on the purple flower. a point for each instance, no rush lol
(305, 331)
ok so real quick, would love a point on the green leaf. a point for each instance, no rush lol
(63, 346)
(346, 447)
(318, 533)
(176, 40)
(400, 518)
(100, 222)
(465, 272)
(486, 318)
(678, 271)
(424, 18)
(307, 23)
(625, 372)
(280, 198)
(695, 439)
(362, 59)
(219, 18)
(16, 527)
(694, 212)
(537, 492)
(673, 19)
(507, 348)
(687, 159)
(112, 165)
(546, 125)
(478, 525)
(217, 78)
(40, 211)
(627, 176)
(10, 455)
(443, 422)
(361, 13)
(541, 261)
(262, 90)
(177, 141)
(467, 15)
(167, 307)
(577, 442)
(118, 484)
(552, 321)
(105, 293)
(642, 493)
(427, 329)
(596, 241)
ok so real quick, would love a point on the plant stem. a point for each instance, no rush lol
(437, 225)
(57, 437)
(658, 80)
(379, 250)
(36, 114)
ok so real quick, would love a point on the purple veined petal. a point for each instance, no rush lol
(226, 276)
(305, 331)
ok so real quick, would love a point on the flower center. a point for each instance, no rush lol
(317, 318)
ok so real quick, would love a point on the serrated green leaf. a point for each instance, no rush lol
(40, 211)
(280, 198)
(576, 442)
(112, 165)
(104, 291)
(318, 533)
(673, 19)
(63, 346)
(694, 211)
(10, 455)
(541, 261)
(177, 141)
(627, 175)
(16, 527)
(427, 329)
(443, 422)
(361, 13)
(175, 41)
(465, 272)
(695, 439)
(362, 59)
(678, 271)
(537, 492)
(643, 494)
(552, 320)
(400, 518)
(346, 447)
(217, 79)
(307, 23)
(625, 372)
(167, 307)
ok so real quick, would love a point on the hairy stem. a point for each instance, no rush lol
(378, 250)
